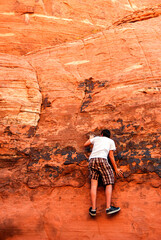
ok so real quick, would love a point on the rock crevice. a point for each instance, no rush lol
(140, 15)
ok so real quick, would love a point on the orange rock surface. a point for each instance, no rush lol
(69, 68)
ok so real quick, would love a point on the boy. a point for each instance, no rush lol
(103, 147)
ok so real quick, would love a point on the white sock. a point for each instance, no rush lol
(108, 208)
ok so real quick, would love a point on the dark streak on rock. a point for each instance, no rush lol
(53, 171)
(84, 105)
(31, 132)
(89, 85)
(79, 158)
(8, 131)
(136, 155)
(9, 162)
(68, 153)
(65, 150)
(45, 102)
(8, 230)
(35, 154)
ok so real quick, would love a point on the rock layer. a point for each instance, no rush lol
(75, 74)
(35, 24)
(20, 94)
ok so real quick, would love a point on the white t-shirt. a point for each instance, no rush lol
(101, 147)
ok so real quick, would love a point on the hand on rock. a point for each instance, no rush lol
(91, 135)
(119, 172)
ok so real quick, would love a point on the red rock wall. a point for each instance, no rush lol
(69, 68)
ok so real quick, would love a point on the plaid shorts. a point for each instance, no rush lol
(101, 167)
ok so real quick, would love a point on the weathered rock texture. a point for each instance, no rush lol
(20, 95)
(69, 68)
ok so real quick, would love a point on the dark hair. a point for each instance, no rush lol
(106, 133)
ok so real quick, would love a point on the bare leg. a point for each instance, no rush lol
(94, 184)
(108, 193)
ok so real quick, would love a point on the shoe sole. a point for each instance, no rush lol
(92, 214)
(115, 211)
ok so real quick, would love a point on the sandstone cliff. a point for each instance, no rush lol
(69, 68)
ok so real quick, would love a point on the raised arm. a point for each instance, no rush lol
(118, 171)
(87, 143)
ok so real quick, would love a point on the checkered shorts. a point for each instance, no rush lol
(101, 167)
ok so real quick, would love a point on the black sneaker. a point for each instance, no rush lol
(92, 212)
(112, 210)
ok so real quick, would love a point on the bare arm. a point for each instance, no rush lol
(87, 143)
(118, 171)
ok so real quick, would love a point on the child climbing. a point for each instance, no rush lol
(103, 148)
